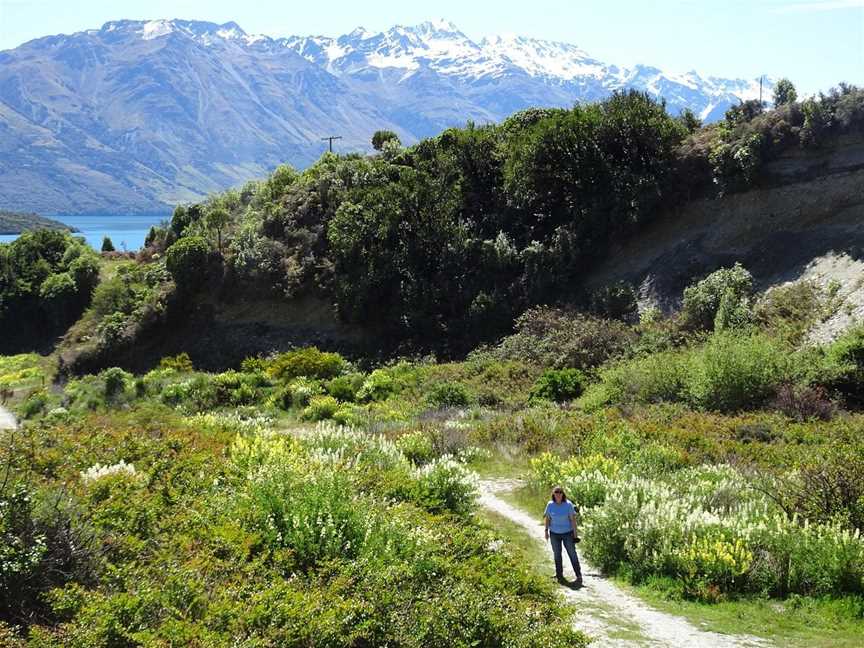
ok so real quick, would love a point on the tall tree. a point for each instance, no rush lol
(784, 92)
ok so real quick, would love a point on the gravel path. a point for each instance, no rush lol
(614, 618)
(7, 419)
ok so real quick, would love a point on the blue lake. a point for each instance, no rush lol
(124, 231)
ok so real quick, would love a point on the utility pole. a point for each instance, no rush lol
(330, 139)
(760, 89)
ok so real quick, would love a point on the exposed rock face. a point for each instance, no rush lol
(140, 115)
(808, 223)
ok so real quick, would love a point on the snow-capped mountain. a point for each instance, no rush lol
(139, 115)
(440, 48)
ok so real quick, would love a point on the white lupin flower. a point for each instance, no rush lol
(98, 471)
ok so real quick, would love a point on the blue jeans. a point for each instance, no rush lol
(567, 539)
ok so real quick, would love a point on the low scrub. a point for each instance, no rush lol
(730, 372)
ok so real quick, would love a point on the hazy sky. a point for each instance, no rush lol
(814, 42)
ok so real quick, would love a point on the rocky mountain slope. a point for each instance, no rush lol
(140, 115)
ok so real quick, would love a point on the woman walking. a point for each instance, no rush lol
(560, 520)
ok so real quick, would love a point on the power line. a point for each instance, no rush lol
(330, 139)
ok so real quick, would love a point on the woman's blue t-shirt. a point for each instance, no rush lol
(559, 516)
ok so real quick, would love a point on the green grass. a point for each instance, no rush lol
(24, 372)
(796, 622)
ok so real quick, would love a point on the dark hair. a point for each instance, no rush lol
(558, 489)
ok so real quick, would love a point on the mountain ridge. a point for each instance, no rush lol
(140, 115)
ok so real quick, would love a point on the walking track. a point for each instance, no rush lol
(611, 616)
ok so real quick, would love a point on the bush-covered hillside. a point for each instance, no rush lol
(17, 222)
(439, 246)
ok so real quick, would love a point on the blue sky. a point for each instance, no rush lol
(814, 42)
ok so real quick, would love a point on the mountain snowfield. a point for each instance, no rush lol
(440, 46)
(139, 115)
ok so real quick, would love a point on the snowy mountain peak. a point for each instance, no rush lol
(199, 30)
(436, 59)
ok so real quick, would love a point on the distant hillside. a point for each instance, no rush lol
(138, 115)
(16, 222)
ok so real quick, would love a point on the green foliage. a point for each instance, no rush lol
(107, 245)
(345, 388)
(187, 261)
(559, 385)
(784, 92)
(377, 386)
(705, 527)
(47, 279)
(300, 391)
(743, 112)
(791, 310)
(116, 381)
(181, 362)
(416, 446)
(817, 120)
(449, 394)
(437, 247)
(445, 485)
(41, 547)
(844, 365)
(731, 371)
(320, 408)
(382, 137)
(736, 371)
(617, 302)
(308, 362)
(216, 218)
(730, 288)
(552, 337)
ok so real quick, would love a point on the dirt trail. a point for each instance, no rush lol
(612, 617)
(7, 419)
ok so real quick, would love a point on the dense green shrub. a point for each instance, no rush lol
(416, 446)
(345, 388)
(377, 386)
(731, 371)
(308, 362)
(300, 391)
(320, 408)
(617, 301)
(790, 310)
(445, 485)
(727, 287)
(552, 337)
(844, 370)
(559, 385)
(41, 547)
(47, 278)
(738, 371)
(382, 137)
(449, 394)
(116, 381)
(181, 362)
(187, 260)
